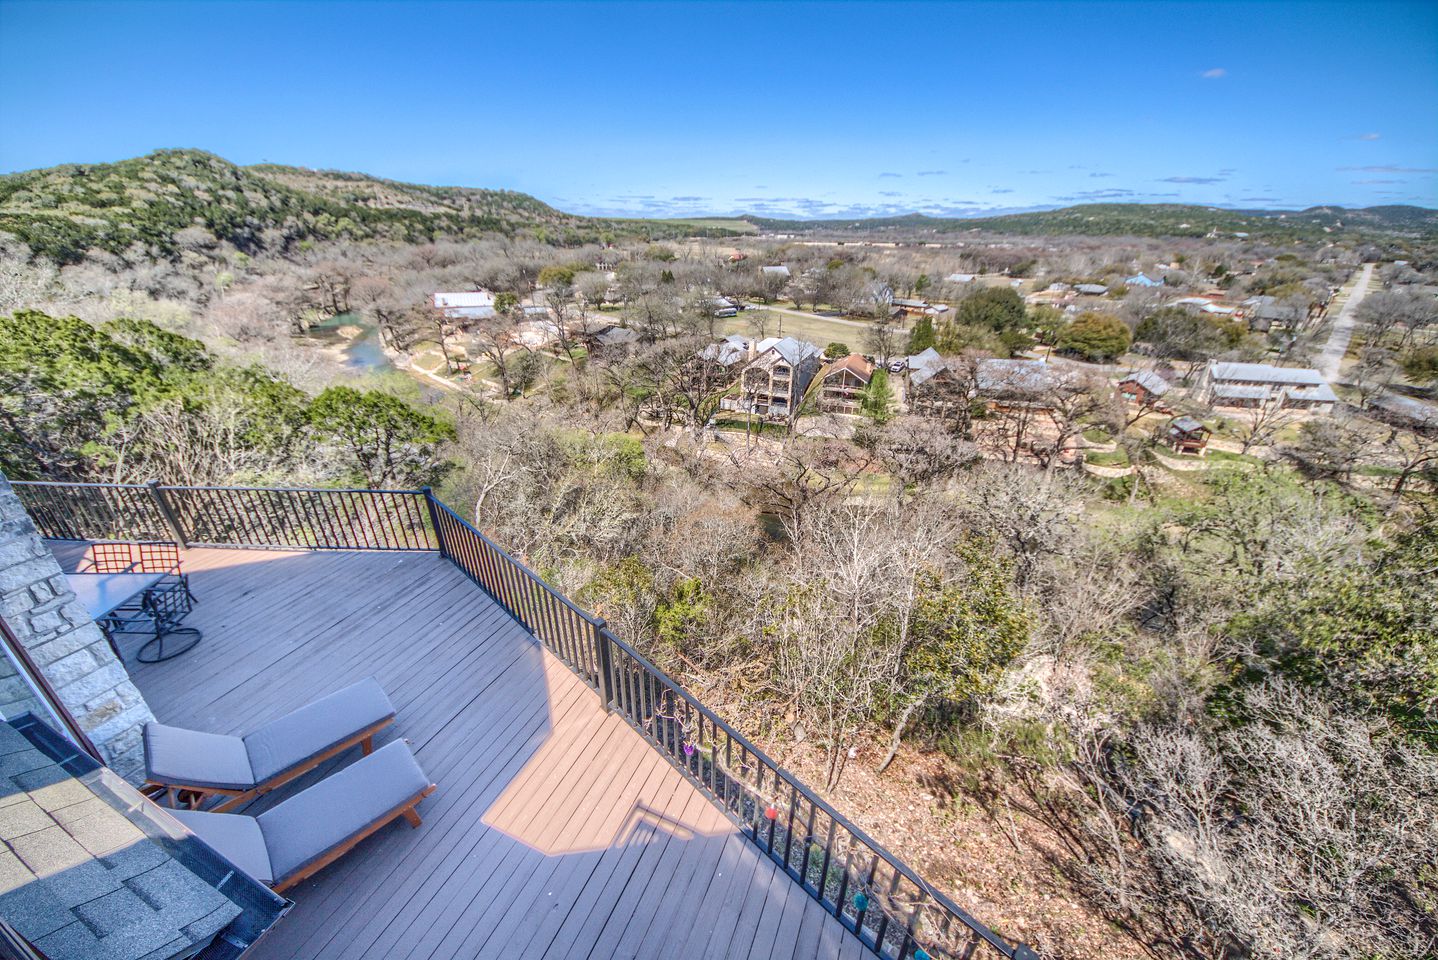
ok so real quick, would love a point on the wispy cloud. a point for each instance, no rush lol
(1111, 194)
(1001, 190)
(1100, 174)
(1380, 180)
(1389, 168)
(1192, 180)
(1370, 136)
(931, 173)
(1258, 199)
(884, 176)
(1215, 73)
(890, 193)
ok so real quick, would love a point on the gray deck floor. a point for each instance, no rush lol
(556, 830)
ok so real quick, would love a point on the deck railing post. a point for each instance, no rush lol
(429, 501)
(604, 658)
(167, 513)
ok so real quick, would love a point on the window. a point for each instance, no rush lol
(24, 690)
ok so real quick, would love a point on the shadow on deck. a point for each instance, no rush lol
(557, 831)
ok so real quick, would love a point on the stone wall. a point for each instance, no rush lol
(67, 646)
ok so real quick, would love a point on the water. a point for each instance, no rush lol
(363, 354)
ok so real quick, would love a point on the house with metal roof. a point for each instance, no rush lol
(1142, 280)
(465, 305)
(1143, 387)
(1227, 384)
(1015, 383)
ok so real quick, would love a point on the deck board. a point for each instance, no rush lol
(556, 832)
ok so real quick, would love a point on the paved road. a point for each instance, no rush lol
(1331, 358)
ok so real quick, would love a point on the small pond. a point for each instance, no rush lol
(363, 353)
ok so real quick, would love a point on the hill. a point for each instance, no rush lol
(170, 198)
(157, 204)
(1143, 220)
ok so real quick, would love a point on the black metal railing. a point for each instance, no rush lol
(307, 519)
(870, 891)
(873, 893)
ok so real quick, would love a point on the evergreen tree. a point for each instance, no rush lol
(878, 401)
(921, 337)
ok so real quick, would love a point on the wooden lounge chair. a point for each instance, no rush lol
(192, 767)
(320, 824)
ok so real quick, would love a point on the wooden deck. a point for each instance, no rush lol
(557, 831)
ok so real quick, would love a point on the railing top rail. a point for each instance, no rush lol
(77, 483)
(167, 487)
(973, 923)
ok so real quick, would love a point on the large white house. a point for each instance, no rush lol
(1260, 384)
(466, 304)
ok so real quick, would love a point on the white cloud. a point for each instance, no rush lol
(1214, 73)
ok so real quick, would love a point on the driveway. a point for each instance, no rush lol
(1331, 358)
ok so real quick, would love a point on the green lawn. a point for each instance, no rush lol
(741, 422)
(1111, 458)
(1095, 435)
(817, 330)
(1225, 455)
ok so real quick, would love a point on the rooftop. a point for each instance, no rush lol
(85, 874)
(1149, 380)
(1265, 373)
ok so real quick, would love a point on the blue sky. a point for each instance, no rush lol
(814, 110)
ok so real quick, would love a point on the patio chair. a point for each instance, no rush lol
(111, 558)
(309, 831)
(158, 612)
(194, 767)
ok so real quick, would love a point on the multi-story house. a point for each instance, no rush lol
(1254, 385)
(773, 382)
(842, 383)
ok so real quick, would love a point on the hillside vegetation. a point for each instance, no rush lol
(1145, 220)
(171, 199)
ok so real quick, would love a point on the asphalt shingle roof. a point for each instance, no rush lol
(80, 878)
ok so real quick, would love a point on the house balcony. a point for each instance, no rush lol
(587, 805)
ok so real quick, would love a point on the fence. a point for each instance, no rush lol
(874, 894)
(309, 519)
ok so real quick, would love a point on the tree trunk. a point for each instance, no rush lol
(898, 735)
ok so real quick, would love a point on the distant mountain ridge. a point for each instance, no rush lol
(1142, 219)
(169, 199)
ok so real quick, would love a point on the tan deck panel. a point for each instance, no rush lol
(557, 831)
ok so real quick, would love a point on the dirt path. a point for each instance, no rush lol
(1331, 359)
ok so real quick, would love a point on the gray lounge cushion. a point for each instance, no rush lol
(191, 758)
(313, 729)
(347, 803)
(235, 837)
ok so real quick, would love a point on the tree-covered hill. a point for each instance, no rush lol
(1145, 220)
(168, 200)
(171, 198)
